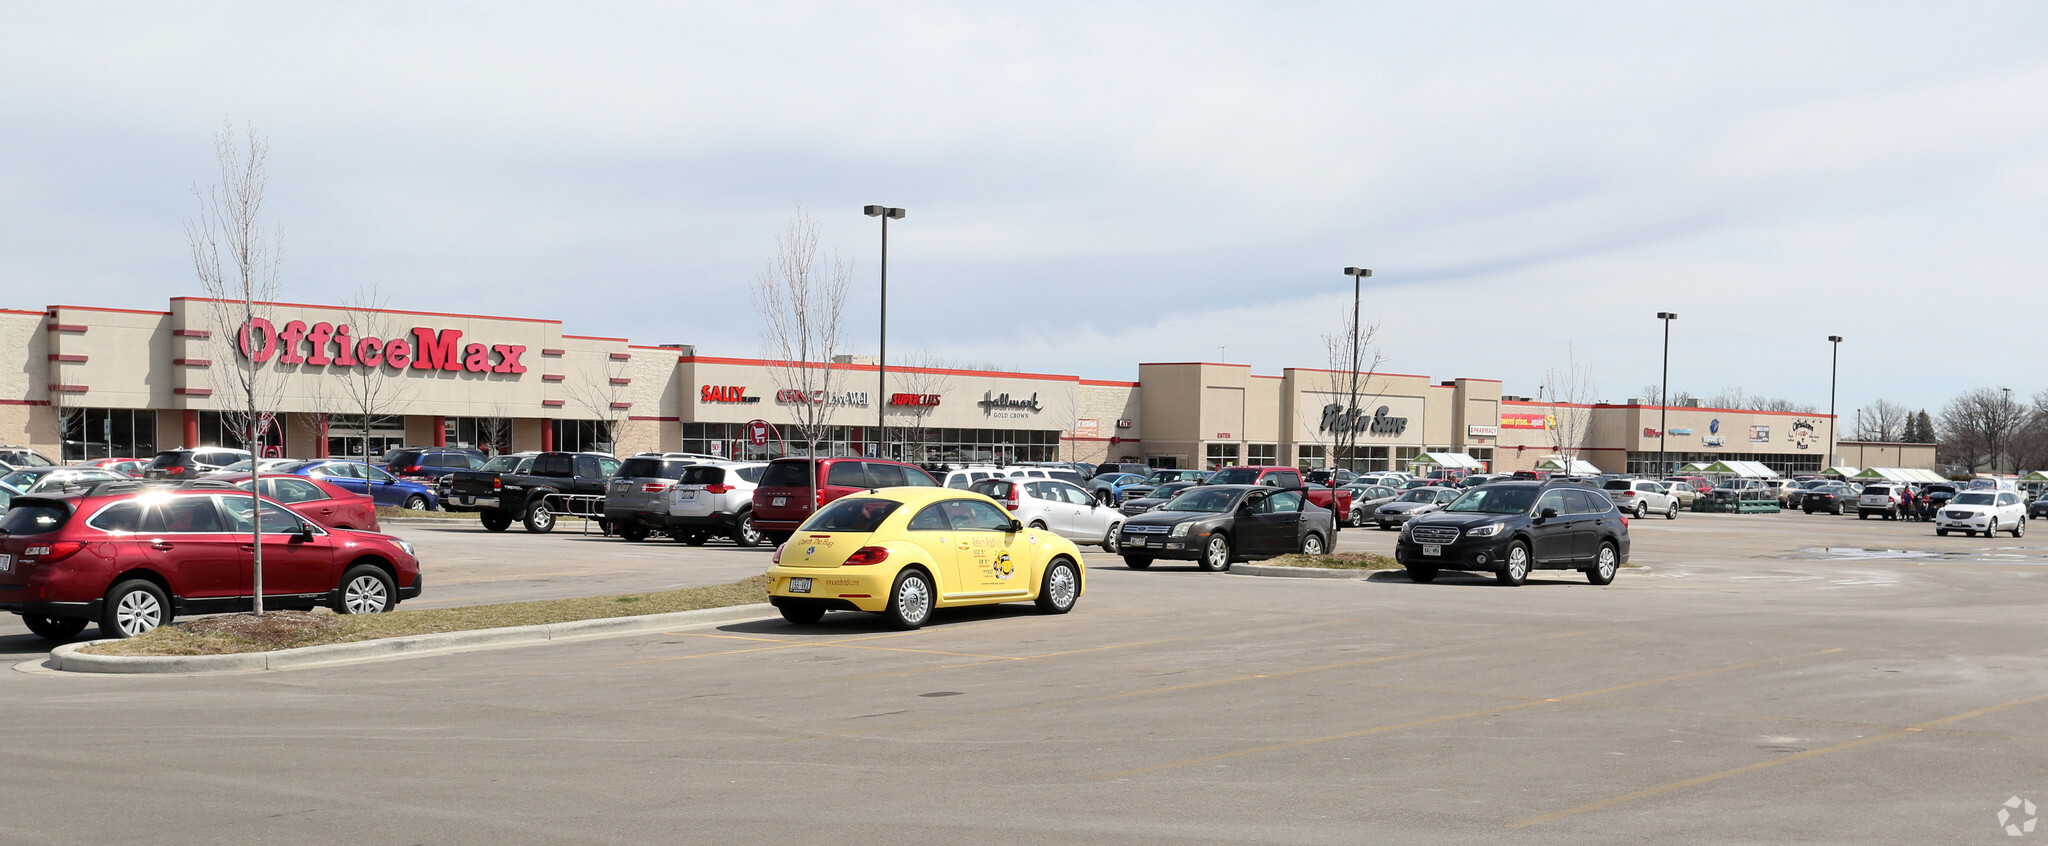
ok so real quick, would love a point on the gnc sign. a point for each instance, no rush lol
(334, 344)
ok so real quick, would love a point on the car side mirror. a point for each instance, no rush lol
(305, 534)
(1015, 526)
(1547, 514)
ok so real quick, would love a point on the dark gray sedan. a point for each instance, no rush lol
(1214, 525)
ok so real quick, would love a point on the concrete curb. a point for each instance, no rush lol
(67, 657)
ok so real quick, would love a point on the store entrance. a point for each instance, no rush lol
(345, 439)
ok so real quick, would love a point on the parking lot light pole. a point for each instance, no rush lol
(1664, 398)
(882, 356)
(1834, 370)
(1999, 467)
(1358, 276)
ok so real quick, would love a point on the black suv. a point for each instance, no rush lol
(431, 463)
(1512, 528)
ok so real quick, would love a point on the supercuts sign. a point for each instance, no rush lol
(335, 345)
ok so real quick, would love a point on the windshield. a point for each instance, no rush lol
(852, 514)
(1495, 500)
(1203, 499)
(503, 464)
(1163, 478)
(1419, 495)
(1238, 476)
(1972, 499)
(1167, 491)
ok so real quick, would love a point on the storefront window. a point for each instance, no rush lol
(1484, 454)
(1262, 455)
(221, 430)
(1645, 463)
(936, 445)
(1312, 457)
(108, 433)
(493, 435)
(583, 435)
(1404, 455)
(1365, 459)
(348, 438)
(1222, 455)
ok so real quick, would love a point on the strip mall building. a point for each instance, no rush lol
(93, 382)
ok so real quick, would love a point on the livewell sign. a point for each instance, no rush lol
(335, 345)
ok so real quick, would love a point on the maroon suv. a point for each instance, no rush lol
(133, 561)
(782, 502)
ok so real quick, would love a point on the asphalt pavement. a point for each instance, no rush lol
(1770, 678)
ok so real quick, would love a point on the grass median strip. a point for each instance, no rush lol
(389, 511)
(1336, 561)
(228, 634)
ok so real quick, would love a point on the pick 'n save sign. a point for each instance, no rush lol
(335, 345)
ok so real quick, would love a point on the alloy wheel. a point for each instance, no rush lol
(365, 595)
(914, 600)
(1062, 587)
(138, 613)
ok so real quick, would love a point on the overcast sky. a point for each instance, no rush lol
(1093, 185)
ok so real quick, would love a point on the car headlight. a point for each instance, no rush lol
(1180, 530)
(407, 547)
(1486, 531)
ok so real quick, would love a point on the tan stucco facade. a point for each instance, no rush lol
(153, 379)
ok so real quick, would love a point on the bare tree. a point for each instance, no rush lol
(69, 415)
(922, 376)
(1736, 398)
(605, 398)
(801, 298)
(1977, 427)
(366, 396)
(1654, 393)
(495, 431)
(1571, 392)
(1353, 362)
(237, 257)
(1882, 420)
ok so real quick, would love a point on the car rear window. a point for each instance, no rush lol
(699, 474)
(168, 459)
(1875, 490)
(752, 474)
(785, 474)
(852, 514)
(33, 518)
(409, 456)
(653, 468)
(847, 474)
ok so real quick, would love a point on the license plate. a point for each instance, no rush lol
(799, 585)
(1137, 542)
(1433, 550)
(6, 563)
(779, 501)
(690, 495)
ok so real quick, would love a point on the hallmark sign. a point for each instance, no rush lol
(335, 345)
(992, 402)
(1336, 419)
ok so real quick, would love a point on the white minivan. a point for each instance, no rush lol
(1058, 506)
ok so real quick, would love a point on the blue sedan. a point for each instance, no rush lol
(368, 479)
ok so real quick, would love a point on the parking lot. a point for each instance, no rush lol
(1769, 678)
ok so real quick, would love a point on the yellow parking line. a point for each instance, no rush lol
(1811, 753)
(1447, 718)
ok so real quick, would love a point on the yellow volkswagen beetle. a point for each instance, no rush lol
(901, 552)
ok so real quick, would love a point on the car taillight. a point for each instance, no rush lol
(497, 484)
(777, 559)
(409, 468)
(718, 489)
(54, 552)
(174, 470)
(1628, 493)
(653, 487)
(1012, 502)
(1624, 521)
(867, 555)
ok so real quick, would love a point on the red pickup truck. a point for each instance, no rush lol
(1285, 477)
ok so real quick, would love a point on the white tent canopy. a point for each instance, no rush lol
(1447, 461)
(1741, 469)
(1843, 471)
(1901, 474)
(1568, 467)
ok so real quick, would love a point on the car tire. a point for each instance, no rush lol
(1060, 587)
(1514, 567)
(365, 589)
(539, 519)
(1862, 515)
(1642, 510)
(1384, 526)
(1313, 545)
(1605, 564)
(635, 534)
(696, 538)
(134, 607)
(802, 615)
(1137, 562)
(1421, 575)
(1941, 533)
(495, 521)
(1216, 553)
(1992, 529)
(1110, 542)
(2019, 529)
(53, 628)
(744, 534)
(1837, 512)
(1105, 497)
(1671, 513)
(910, 600)
(415, 503)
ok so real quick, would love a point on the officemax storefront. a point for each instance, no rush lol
(91, 382)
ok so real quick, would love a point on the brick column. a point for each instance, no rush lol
(191, 428)
(440, 431)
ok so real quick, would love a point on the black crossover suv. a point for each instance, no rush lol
(1512, 528)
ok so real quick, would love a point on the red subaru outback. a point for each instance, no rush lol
(133, 561)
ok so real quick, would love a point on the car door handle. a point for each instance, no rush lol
(964, 546)
(248, 547)
(160, 546)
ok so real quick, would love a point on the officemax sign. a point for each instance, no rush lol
(336, 345)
